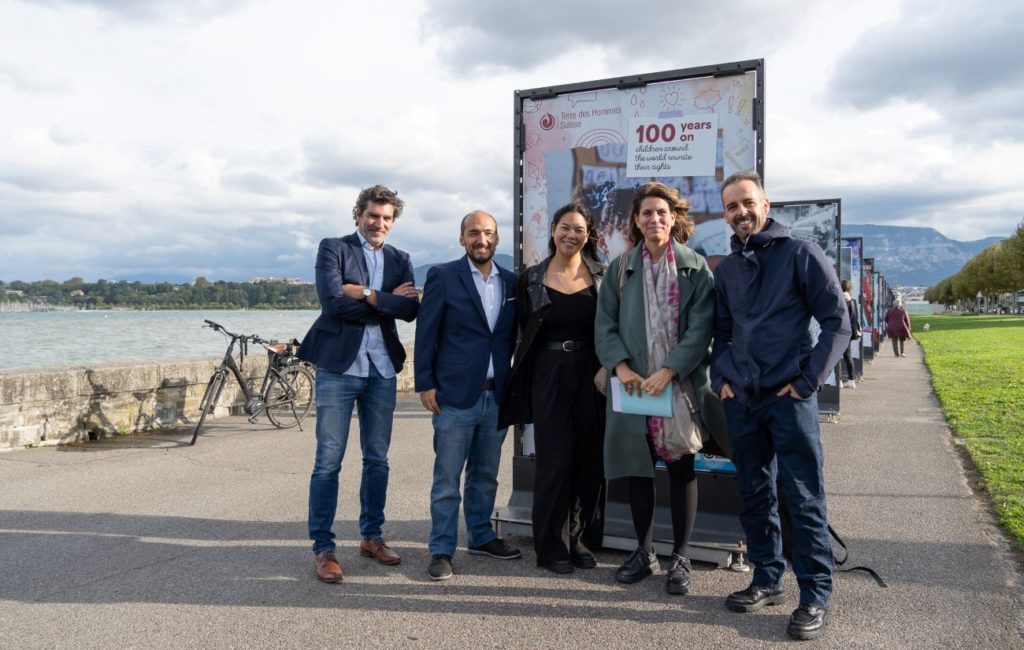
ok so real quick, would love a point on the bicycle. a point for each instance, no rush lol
(286, 394)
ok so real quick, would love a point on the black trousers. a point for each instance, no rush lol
(897, 344)
(568, 425)
(848, 362)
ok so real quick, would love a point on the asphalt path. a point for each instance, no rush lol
(145, 542)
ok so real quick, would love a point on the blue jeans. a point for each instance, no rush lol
(780, 443)
(465, 438)
(336, 394)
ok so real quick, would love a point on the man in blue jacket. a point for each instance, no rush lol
(767, 372)
(363, 285)
(464, 339)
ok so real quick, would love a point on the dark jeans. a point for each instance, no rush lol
(336, 394)
(781, 443)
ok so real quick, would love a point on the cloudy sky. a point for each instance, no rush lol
(224, 138)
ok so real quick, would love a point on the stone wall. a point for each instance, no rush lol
(75, 404)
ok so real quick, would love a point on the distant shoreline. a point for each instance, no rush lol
(22, 308)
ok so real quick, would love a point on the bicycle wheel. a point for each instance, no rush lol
(289, 396)
(209, 401)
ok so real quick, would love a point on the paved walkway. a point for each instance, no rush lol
(146, 542)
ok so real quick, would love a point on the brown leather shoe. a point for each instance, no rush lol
(379, 551)
(327, 567)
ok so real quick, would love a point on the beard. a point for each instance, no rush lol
(481, 255)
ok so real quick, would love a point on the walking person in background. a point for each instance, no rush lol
(897, 327)
(768, 374)
(552, 386)
(851, 306)
(654, 335)
(363, 285)
(464, 339)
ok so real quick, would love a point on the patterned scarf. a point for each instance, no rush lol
(682, 433)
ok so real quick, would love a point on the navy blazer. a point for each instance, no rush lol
(453, 341)
(334, 339)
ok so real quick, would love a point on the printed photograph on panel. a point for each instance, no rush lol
(598, 146)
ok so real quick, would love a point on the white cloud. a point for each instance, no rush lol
(225, 138)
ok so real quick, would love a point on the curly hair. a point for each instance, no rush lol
(682, 229)
(377, 194)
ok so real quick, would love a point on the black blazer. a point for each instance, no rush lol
(334, 339)
(532, 305)
(453, 341)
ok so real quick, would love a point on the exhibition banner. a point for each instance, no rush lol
(867, 308)
(596, 142)
(817, 222)
(854, 247)
(876, 313)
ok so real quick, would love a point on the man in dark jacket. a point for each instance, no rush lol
(464, 340)
(767, 371)
(363, 285)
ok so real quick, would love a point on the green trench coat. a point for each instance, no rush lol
(621, 334)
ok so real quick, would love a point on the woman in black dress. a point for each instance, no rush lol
(552, 386)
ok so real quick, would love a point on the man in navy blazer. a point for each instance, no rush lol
(363, 285)
(464, 339)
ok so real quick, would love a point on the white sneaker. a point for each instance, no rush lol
(849, 383)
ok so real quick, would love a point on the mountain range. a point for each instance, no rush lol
(905, 255)
(504, 260)
(911, 256)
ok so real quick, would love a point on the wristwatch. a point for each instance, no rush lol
(366, 292)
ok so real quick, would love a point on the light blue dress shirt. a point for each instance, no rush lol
(372, 348)
(491, 296)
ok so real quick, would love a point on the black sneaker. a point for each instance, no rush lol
(807, 622)
(496, 548)
(754, 598)
(637, 566)
(678, 581)
(440, 567)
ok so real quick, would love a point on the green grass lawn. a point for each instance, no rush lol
(977, 366)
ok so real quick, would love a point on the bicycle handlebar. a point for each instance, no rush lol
(245, 337)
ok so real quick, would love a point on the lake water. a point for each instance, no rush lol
(35, 340)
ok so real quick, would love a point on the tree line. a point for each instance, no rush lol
(104, 294)
(997, 269)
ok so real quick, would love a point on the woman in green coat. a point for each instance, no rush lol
(654, 323)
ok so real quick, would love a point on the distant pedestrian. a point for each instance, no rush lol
(897, 327)
(851, 306)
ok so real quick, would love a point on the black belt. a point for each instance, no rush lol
(569, 346)
(489, 384)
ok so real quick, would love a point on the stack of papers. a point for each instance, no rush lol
(640, 404)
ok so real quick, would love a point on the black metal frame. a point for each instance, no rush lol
(717, 535)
